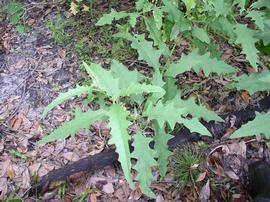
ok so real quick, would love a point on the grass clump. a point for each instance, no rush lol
(186, 163)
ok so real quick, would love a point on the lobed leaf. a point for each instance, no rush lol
(260, 125)
(145, 160)
(103, 79)
(77, 91)
(107, 19)
(199, 62)
(119, 137)
(137, 88)
(144, 48)
(201, 34)
(254, 82)
(161, 139)
(82, 120)
(199, 111)
(247, 42)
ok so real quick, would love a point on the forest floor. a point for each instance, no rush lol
(36, 66)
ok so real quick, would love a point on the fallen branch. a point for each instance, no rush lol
(109, 157)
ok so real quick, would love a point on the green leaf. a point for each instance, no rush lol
(254, 82)
(199, 62)
(82, 120)
(154, 32)
(119, 137)
(224, 26)
(258, 18)
(201, 34)
(145, 160)
(164, 113)
(221, 7)
(103, 79)
(158, 16)
(170, 88)
(265, 35)
(260, 125)
(260, 4)
(20, 28)
(137, 88)
(190, 4)
(144, 48)
(194, 125)
(107, 19)
(161, 139)
(77, 91)
(126, 77)
(174, 14)
(199, 111)
(241, 4)
(247, 43)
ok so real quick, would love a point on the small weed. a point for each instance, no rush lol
(17, 154)
(15, 12)
(57, 29)
(185, 169)
(62, 191)
(81, 197)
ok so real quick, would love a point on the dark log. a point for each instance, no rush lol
(259, 181)
(109, 157)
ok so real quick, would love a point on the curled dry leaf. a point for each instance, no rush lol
(201, 177)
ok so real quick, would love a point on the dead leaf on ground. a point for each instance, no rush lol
(3, 188)
(205, 192)
(231, 174)
(108, 188)
(201, 177)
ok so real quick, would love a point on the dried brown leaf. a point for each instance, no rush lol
(205, 192)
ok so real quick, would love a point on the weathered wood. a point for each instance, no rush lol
(109, 157)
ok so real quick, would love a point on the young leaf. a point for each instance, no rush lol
(253, 82)
(199, 62)
(201, 34)
(103, 79)
(260, 125)
(107, 19)
(144, 48)
(161, 139)
(247, 43)
(145, 160)
(190, 4)
(77, 91)
(119, 137)
(82, 120)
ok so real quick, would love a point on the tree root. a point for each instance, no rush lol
(109, 157)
